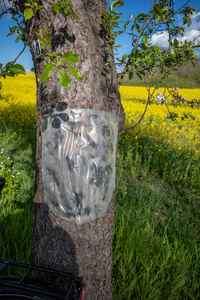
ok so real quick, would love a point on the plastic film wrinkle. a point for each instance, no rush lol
(78, 162)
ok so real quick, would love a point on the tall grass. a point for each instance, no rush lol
(156, 233)
(17, 156)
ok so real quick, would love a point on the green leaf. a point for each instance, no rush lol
(47, 71)
(0, 85)
(139, 76)
(40, 6)
(28, 13)
(155, 49)
(50, 54)
(118, 32)
(145, 41)
(117, 4)
(73, 14)
(65, 12)
(74, 72)
(13, 29)
(126, 24)
(63, 61)
(17, 39)
(48, 37)
(176, 42)
(130, 75)
(159, 18)
(124, 57)
(137, 27)
(164, 10)
(141, 16)
(133, 28)
(64, 79)
(139, 59)
(189, 23)
(56, 9)
(133, 69)
(157, 8)
(16, 69)
(37, 31)
(142, 72)
(71, 57)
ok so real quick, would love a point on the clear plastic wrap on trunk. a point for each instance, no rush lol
(78, 162)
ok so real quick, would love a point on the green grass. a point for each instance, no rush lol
(156, 237)
(17, 156)
(156, 234)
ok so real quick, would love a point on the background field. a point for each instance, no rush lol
(156, 237)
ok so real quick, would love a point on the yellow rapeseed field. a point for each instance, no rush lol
(140, 92)
(18, 109)
(18, 101)
(179, 134)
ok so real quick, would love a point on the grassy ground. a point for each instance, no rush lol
(17, 156)
(156, 234)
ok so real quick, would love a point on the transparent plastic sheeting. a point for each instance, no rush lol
(78, 162)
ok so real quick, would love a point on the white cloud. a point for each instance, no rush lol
(190, 33)
(160, 39)
(195, 21)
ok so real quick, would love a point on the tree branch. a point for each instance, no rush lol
(150, 95)
(19, 54)
(140, 34)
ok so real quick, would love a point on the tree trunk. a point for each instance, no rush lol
(85, 250)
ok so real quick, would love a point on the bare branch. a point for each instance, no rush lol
(19, 54)
(150, 95)
(182, 6)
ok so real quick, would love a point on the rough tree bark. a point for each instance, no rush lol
(85, 250)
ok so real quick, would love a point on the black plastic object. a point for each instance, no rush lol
(2, 182)
(25, 287)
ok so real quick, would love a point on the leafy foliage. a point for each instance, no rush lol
(63, 7)
(64, 79)
(48, 67)
(44, 37)
(58, 60)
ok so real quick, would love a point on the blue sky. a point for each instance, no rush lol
(9, 49)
